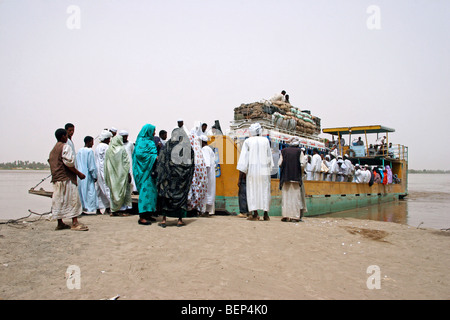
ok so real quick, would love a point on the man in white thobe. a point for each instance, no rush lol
(339, 170)
(367, 174)
(256, 162)
(309, 169)
(103, 191)
(70, 128)
(210, 162)
(316, 165)
(129, 148)
(359, 174)
(350, 168)
(86, 165)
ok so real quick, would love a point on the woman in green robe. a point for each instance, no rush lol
(144, 159)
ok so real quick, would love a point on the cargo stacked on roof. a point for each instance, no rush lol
(281, 115)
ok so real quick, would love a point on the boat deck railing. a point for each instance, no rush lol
(396, 152)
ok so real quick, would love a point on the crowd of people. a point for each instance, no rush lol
(172, 177)
(332, 167)
(177, 176)
(295, 165)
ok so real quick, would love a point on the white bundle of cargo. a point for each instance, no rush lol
(281, 114)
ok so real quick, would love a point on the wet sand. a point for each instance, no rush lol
(224, 257)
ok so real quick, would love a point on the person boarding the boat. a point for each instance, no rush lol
(293, 201)
(86, 187)
(350, 169)
(316, 165)
(66, 202)
(256, 162)
(359, 174)
(309, 169)
(338, 170)
(103, 192)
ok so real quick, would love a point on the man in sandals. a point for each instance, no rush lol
(66, 202)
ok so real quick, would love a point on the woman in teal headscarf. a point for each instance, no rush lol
(144, 158)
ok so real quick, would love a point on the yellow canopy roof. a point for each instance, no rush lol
(358, 130)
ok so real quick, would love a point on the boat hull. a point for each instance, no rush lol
(324, 203)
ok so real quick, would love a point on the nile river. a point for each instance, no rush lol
(427, 205)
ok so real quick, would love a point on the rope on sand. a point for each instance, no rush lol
(16, 222)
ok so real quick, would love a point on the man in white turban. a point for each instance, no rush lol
(103, 191)
(256, 162)
(129, 147)
(210, 162)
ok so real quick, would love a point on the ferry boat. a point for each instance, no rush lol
(322, 197)
(279, 127)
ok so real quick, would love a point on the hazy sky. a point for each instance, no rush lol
(126, 63)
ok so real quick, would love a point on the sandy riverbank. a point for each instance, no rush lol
(224, 257)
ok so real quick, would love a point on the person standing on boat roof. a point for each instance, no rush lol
(316, 165)
(293, 201)
(66, 202)
(256, 162)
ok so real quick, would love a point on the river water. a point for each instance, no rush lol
(427, 205)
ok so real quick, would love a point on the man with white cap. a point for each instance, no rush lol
(316, 165)
(339, 170)
(103, 191)
(256, 162)
(129, 148)
(210, 162)
(359, 174)
(350, 168)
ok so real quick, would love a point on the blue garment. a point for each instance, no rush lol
(86, 187)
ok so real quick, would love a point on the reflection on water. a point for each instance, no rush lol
(427, 205)
(395, 211)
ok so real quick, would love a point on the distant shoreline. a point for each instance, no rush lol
(25, 169)
(429, 171)
(409, 171)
